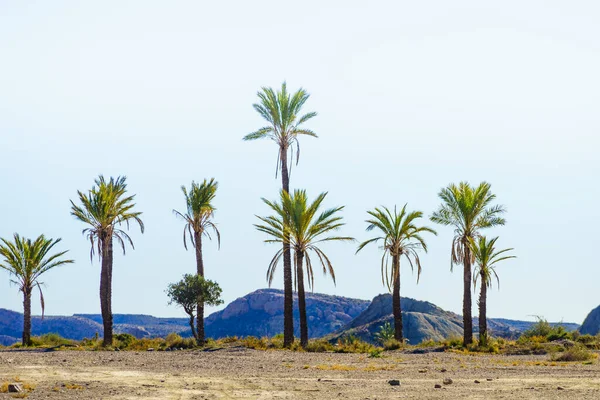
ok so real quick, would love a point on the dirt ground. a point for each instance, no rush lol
(239, 373)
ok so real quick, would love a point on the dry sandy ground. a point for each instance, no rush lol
(236, 373)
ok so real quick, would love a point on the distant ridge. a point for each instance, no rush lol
(260, 313)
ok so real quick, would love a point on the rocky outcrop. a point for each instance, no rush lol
(591, 325)
(260, 313)
(423, 320)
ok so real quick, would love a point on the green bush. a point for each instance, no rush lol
(575, 353)
(123, 340)
(352, 344)
(51, 340)
(392, 344)
(375, 353)
(428, 343)
(319, 346)
(175, 341)
(385, 333)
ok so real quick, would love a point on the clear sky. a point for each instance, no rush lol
(411, 96)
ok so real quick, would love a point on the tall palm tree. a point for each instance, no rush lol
(468, 209)
(27, 260)
(486, 257)
(282, 111)
(104, 208)
(401, 237)
(198, 221)
(298, 221)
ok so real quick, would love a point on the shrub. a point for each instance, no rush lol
(385, 333)
(319, 346)
(252, 342)
(175, 341)
(428, 343)
(558, 333)
(453, 342)
(51, 340)
(352, 344)
(123, 340)
(375, 353)
(575, 353)
(392, 344)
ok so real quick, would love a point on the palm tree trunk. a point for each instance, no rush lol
(467, 302)
(396, 300)
(105, 289)
(288, 300)
(200, 308)
(483, 312)
(301, 299)
(27, 316)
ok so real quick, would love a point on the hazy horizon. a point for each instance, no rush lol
(411, 97)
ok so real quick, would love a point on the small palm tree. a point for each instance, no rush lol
(27, 260)
(468, 209)
(198, 222)
(282, 111)
(298, 221)
(486, 257)
(104, 208)
(401, 237)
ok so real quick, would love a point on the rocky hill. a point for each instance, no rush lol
(423, 320)
(591, 325)
(260, 313)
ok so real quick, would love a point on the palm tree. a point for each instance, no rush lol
(27, 260)
(401, 237)
(198, 219)
(486, 257)
(297, 220)
(282, 112)
(468, 210)
(104, 208)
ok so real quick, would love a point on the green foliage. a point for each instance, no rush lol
(375, 353)
(428, 343)
(105, 207)
(590, 341)
(51, 340)
(453, 343)
(400, 236)
(282, 111)
(385, 333)
(124, 340)
(352, 344)
(252, 342)
(576, 353)
(486, 258)
(299, 223)
(175, 341)
(200, 211)
(26, 260)
(319, 346)
(191, 289)
(392, 344)
(543, 329)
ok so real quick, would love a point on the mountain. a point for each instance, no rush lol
(423, 320)
(260, 313)
(591, 324)
(140, 325)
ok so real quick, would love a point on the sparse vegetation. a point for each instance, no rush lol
(576, 353)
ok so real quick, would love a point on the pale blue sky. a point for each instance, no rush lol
(411, 96)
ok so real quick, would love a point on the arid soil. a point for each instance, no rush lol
(239, 373)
